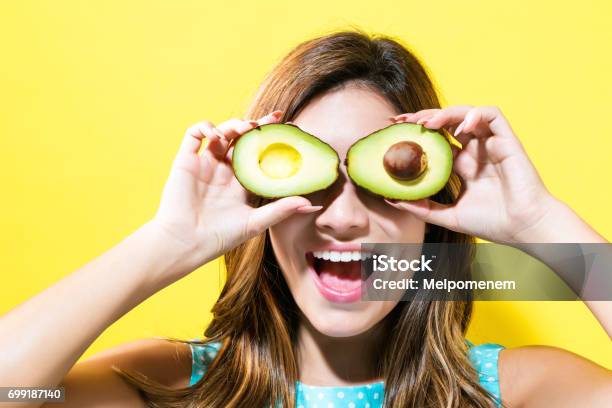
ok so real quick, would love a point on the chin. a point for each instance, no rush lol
(341, 324)
(336, 321)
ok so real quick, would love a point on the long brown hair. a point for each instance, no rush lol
(424, 361)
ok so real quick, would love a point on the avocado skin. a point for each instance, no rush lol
(272, 197)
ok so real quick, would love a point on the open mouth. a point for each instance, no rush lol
(337, 274)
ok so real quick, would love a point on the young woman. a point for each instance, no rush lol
(275, 339)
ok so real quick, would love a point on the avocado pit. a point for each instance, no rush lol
(280, 160)
(405, 161)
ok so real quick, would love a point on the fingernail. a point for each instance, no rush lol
(277, 113)
(421, 121)
(306, 209)
(254, 123)
(459, 129)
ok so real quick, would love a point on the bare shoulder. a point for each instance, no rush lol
(544, 376)
(163, 361)
(93, 382)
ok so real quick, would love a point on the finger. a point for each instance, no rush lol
(490, 116)
(193, 139)
(465, 164)
(447, 117)
(273, 117)
(429, 211)
(233, 128)
(229, 153)
(415, 117)
(423, 119)
(472, 119)
(401, 117)
(463, 137)
(216, 140)
(276, 211)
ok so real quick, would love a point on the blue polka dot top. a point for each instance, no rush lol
(483, 357)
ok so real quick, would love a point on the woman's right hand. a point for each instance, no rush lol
(203, 205)
(204, 212)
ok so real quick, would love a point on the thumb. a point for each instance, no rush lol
(429, 211)
(276, 211)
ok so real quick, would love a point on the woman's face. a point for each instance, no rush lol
(327, 291)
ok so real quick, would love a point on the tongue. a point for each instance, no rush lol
(340, 276)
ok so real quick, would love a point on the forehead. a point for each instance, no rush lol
(342, 116)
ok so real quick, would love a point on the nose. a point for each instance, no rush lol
(344, 216)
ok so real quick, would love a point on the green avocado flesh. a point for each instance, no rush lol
(280, 160)
(366, 166)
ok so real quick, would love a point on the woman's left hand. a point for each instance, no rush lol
(503, 197)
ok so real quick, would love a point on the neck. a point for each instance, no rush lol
(337, 361)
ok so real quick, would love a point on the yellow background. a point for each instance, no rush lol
(95, 97)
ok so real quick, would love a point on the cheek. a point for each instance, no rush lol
(286, 238)
(413, 230)
(396, 225)
(285, 234)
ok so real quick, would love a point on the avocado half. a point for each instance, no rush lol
(281, 160)
(403, 161)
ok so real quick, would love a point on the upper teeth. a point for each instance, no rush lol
(340, 256)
